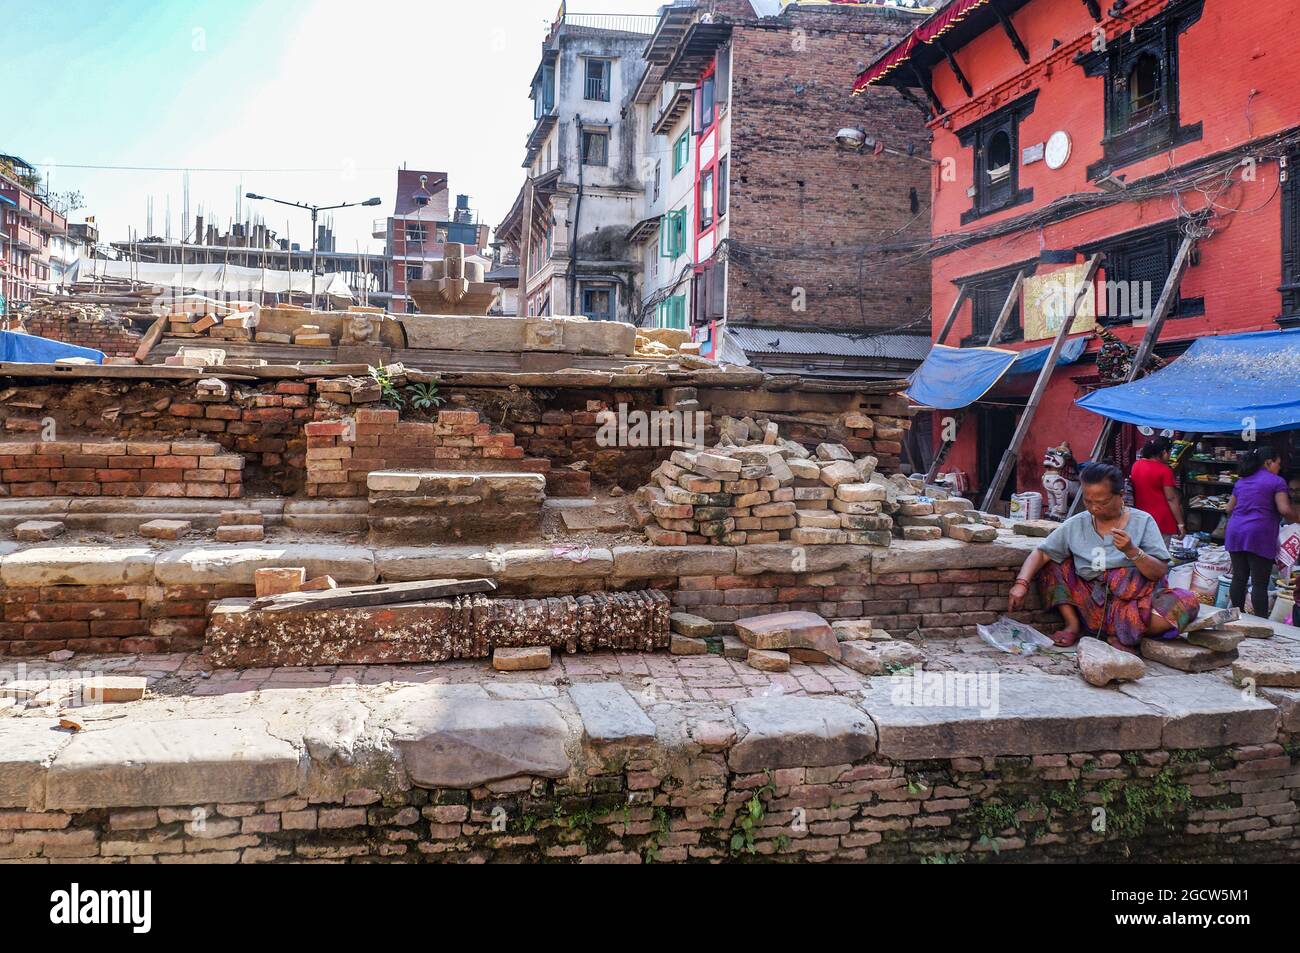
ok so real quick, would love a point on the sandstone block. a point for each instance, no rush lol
(165, 529)
(279, 580)
(36, 531)
(1100, 663)
(767, 661)
(527, 659)
(784, 630)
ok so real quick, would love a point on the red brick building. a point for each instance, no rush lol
(1064, 128)
(27, 224)
(777, 217)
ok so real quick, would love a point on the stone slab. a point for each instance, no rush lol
(928, 555)
(795, 731)
(79, 566)
(26, 748)
(1009, 715)
(210, 565)
(409, 563)
(530, 658)
(790, 557)
(467, 742)
(642, 562)
(38, 531)
(1204, 711)
(178, 761)
(1183, 656)
(610, 715)
(785, 630)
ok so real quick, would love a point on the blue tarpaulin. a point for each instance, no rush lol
(1031, 360)
(954, 377)
(30, 349)
(1222, 384)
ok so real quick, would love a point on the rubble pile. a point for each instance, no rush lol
(756, 487)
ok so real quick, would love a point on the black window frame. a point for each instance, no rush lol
(1126, 140)
(1290, 287)
(1126, 258)
(987, 293)
(978, 136)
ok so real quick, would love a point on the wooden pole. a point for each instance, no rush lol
(952, 315)
(1040, 386)
(1168, 295)
(1013, 296)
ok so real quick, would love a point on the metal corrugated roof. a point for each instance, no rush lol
(759, 340)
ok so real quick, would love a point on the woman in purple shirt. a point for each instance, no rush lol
(1258, 504)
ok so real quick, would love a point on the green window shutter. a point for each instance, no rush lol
(672, 233)
(677, 312)
(681, 152)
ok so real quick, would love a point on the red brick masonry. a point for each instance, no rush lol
(156, 468)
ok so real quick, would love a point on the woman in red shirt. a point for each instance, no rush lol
(1154, 488)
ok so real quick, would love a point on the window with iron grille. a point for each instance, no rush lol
(1140, 69)
(1291, 242)
(597, 80)
(987, 300)
(1137, 265)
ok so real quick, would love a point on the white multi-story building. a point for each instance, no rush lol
(586, 172)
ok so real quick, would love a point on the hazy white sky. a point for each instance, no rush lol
(343, 92)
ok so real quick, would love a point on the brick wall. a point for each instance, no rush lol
(128, 618)
(1225, 804)
(105, 333)
(152, 468)
(793, 188)
(340, 455)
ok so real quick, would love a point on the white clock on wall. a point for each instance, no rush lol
(1058, 149)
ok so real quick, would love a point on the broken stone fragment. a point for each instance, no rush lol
(165, 529)
(880, 658)
(1212, 619)
(784, 630)
(1267, 673)
(686, 645)
(239, 534)
(841, 471)
(734, 647)
(765, 660)
(1100, 663)
(1034, 527)
(248, 517)
(37, 531)
(319, 584)
(857, 630)
(696, 627)
(527, 659)
(1252, 630)
(972, 533)
(279, 580)
(1217, 640)
(833, 451)
(113, 689)
(921, 533)
(1182, 655)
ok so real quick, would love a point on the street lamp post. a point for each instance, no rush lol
(315, 211)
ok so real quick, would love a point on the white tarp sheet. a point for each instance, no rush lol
(228, 280)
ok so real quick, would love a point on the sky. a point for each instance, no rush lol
(317, 101)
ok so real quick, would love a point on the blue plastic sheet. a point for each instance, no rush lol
(1221, 385)
(31, 349)
(954, 377)
(1031, 361)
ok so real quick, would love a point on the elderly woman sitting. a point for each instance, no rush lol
(1104, 570)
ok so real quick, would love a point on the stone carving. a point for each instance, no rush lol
(1059, 480)
(453, 285)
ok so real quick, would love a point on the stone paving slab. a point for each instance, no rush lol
(1019, 714)
(1202, 711)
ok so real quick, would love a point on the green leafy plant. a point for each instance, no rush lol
(424, 397)
(748, 818)
(389, 393)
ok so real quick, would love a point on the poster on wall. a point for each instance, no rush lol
(1047, 302)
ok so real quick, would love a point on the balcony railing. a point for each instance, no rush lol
(607, 22)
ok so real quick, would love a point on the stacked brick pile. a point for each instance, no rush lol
(766, 492)
(153, 468)
(755, 492)
(341, 454)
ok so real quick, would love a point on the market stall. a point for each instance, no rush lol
(1221, 399)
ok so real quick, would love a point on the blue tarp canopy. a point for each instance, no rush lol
(1031, 360)
(31, 349)
(956, 377)
(1222, 384)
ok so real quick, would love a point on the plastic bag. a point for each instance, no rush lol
(1015, 638)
